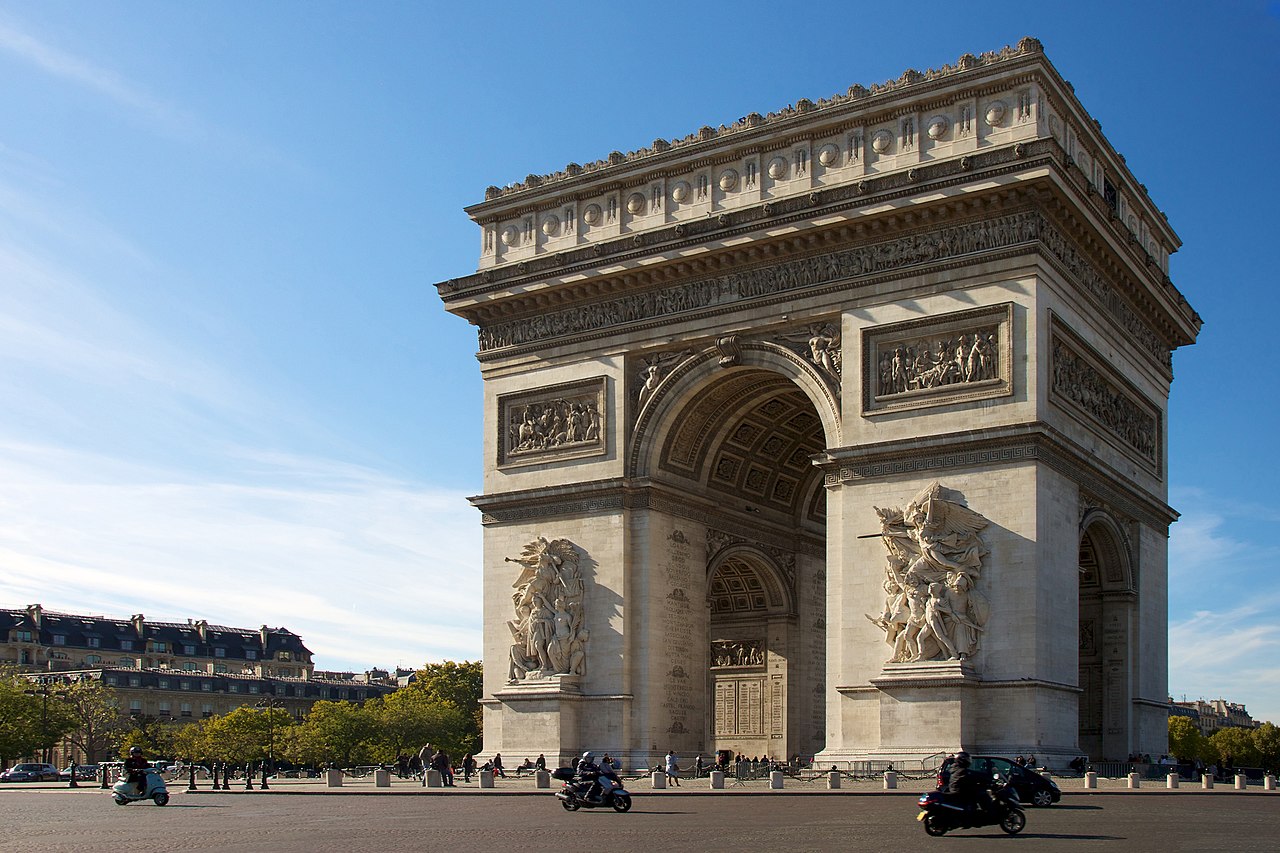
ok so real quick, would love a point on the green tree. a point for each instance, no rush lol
(243, 735)
(1266, 740)
(20, 733)
(462, 685)
(410, 717)
(1185, 740)
(155, 737)
(98, 726)
(191, 743)
(1237, 745)
(337, 732)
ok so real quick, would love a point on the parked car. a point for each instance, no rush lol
(30, 773)
(83, 772)
(1032, 788)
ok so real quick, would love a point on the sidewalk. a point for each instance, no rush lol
(526, 786)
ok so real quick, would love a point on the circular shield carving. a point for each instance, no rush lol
(728, 179)
(591, 215)
(882, 142)
(829, 155)
(995, 113)
(510, 236)
(680, 192)
(777, 168)
(551, 225)
(635, 204)
(937, 127)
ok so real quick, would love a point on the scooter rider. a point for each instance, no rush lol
(968, 784)
(136, 766)
(588, 770)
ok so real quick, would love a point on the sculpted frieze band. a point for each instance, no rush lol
(899, 253)
(1077, 379)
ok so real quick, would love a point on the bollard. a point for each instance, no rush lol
(659, 780)
(434, 779)
(104, 778)
(1269, 782)
(1242, 782)
(226, 777)
(1091, 779)
(541, 779)
(382, 778)
(213, 771)
(890, 780)
(1206, 782)
(486, 778)
(775, 780)
(73, 776)
(263, 784)
(191, 778)
(717, 780)
(248, 777)
(333, 778)
(1171, 781)
(1135, 781)
(833, 779)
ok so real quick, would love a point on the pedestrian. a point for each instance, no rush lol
(698, 766)
(468, 767)
(541, 763)
(424, 760)
(441, 762)
(673, 770)
(497, 766)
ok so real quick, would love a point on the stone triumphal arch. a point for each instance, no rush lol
(839, 431)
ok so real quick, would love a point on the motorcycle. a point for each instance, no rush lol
(573, 795)
(941, 812)
(153, 788)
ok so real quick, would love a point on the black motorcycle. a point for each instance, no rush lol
(573, 795)
(941, 812)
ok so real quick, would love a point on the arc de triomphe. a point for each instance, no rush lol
(836, 431)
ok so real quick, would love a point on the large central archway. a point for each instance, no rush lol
(742, 439)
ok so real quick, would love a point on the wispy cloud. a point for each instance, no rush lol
(368, 569)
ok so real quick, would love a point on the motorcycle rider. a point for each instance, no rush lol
(969, 785)
(589, 771)
(136, 766)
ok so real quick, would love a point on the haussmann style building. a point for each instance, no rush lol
(840, 431)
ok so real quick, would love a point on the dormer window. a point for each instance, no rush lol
(59, 639)
(188, 650)
(250, 654)
(22, 636)
(219, 652)
(126, 645)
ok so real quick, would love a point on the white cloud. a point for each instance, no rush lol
(369, 570)
(1229, 655)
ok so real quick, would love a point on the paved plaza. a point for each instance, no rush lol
(360, 817)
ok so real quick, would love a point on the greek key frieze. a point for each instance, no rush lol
(557, 421)
(1079, 379)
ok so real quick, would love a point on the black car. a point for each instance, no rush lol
(1031, 786)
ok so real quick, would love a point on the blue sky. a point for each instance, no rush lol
(229, 389)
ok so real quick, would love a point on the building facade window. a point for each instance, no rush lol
(59, 639)
(164, 709)
(189, 666)
(135, 706)
(92, 642)
(126, 663)
(163, 683)
(206, 710)
(22, 636)
(250, 654)
(157, 647)
(206, 686)
(219, 668)
(188, 650)
(92, 660)
(186, 709)
(126, 645)
(185, 685)
(219, 652)
(135, 681)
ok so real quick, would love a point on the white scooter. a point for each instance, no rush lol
(153, 788)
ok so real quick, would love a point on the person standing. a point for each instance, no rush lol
(497, 766)
(442, 763)
(673, 770)
(468, 767)
(424, 761)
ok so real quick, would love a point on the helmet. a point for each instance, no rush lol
(962, 759)
(588, 757)
(135, 750)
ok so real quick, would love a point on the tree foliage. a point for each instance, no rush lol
(410, 717)
(32, 718)
(462, 685)
(1185, 740)
(1235, 747)
(94, 710)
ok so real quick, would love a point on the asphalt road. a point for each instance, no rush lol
(281, 823)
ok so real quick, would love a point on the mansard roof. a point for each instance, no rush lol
(76, 629)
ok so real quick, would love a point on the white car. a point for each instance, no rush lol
(30, 773)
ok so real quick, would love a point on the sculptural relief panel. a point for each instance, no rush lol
(548, 637)
(933, 610)
(557, 421)
(1083, 383)
(939, 360)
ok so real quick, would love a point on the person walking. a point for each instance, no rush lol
(497, 766)
(468, 767)
(673, 770)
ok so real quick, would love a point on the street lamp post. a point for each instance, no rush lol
(268, 704)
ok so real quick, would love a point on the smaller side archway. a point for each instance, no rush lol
(1108, 609)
